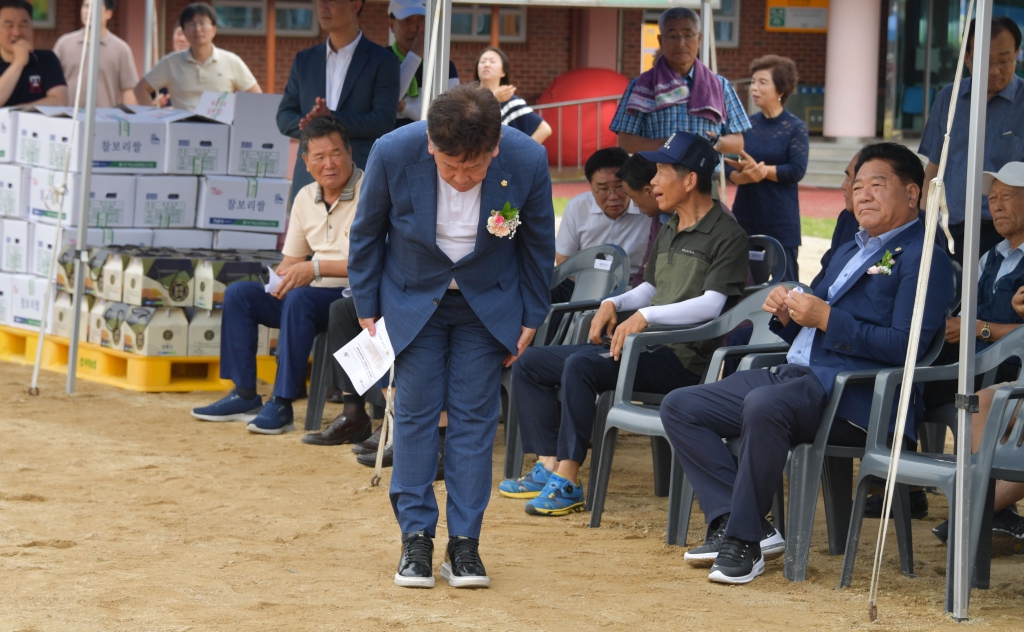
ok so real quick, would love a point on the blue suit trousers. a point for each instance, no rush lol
(453, 362)
(300, 316)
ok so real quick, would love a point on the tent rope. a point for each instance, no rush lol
(57, 193)
(935, 212)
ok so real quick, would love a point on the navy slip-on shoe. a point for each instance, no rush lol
(230, 408)
(275, 418)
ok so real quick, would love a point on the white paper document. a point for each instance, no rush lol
(367, 359)
(275, 281)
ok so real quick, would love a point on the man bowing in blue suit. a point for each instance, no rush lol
(857, 318)
(348, 77)
(452, 244)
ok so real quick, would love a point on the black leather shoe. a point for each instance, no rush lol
(462, 567)
(342, 430)
(334, 395)
(918, 505)
(370, 460)
(370, 445)
(416, 566)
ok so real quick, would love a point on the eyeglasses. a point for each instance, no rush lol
(603, 193)
(689, 36)
(1000, 63)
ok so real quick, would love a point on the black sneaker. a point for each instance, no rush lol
(738, 562)
(706, 553)
(918, 505)
(1007, 533)
(416, 566)
(462, 567)
(773, 545)
(941, 531)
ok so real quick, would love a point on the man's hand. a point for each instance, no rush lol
(1018, 301)
(775, 304)
(632, 325)
(604, 321)
(525, 338)
(319, 109)
(22, 52)
(298, 275)
(368, 325)
(808, 310)
(953, 328)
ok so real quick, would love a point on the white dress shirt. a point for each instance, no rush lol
(338, 63)
(458, 219)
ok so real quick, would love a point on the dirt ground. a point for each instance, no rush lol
(120, 512)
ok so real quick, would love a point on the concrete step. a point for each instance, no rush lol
(824, 178)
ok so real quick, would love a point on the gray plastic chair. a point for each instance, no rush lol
(644, 418)
(594, 283)
(994, 460)
(319, 382)
(767, 262)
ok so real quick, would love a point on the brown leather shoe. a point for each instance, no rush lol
(342, 430)
(370, 445)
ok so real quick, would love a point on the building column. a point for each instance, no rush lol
(851, 68)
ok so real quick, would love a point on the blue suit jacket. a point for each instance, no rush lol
(367, 106)
(398, 272)
(869, 324)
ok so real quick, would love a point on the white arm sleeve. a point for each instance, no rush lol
(638, 297)
(695, 310)
(413, 110)
(407, 72)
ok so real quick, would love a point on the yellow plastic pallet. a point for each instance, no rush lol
(148, 374)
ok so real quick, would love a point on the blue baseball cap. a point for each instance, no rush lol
(686, 149)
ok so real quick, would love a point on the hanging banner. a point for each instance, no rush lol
(649, 47)
(796, 16)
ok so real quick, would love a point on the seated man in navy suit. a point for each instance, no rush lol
(858, 317)
(346, 76)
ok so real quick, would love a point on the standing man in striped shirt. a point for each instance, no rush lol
(680, 94)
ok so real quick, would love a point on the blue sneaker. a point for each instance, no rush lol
(560, 497)
(526, 486)
(230, 408)
(275, 418)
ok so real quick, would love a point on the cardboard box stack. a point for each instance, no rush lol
(179, 203)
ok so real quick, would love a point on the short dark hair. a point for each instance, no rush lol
(703, 180)
(783, 71)
(464, 121)
(24, 5)
(904, 162)
(505, 68)
(200, 9)
(320, 127)
(638, 172)
(109, 5)
(607, 158)
(1000, 23)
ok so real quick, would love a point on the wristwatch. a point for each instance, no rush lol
(316, 270)
(986, 331)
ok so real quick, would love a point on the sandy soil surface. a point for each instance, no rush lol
(120, 512)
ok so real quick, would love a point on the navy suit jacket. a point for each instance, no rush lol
(869, 325)
(367, 106)
(398, 272)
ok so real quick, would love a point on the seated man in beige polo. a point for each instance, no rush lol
(201, 67)
(299, 306)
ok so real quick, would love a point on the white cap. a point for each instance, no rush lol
(402, 9)
(1011, 174)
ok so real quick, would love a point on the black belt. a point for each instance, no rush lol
(453, 291)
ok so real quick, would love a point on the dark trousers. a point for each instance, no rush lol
(582, 373)
(769, 412)
(453, 362)
(792, 267)
(300, 317)
(989, 239)
(341, 329)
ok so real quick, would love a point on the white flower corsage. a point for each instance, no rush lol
(504, 223)
(884, 266)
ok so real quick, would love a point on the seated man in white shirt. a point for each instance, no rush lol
(603, 216)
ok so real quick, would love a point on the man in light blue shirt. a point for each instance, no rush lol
(1004, 129)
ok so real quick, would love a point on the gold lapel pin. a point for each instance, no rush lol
(898, 249)
(504, 183)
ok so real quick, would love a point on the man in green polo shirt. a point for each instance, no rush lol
(697, 269)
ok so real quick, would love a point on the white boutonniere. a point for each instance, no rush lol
(884, 266)
(504, 223)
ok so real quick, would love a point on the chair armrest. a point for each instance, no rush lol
(562, 308)
(761, 361)
(724, 353)
(832, 405)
